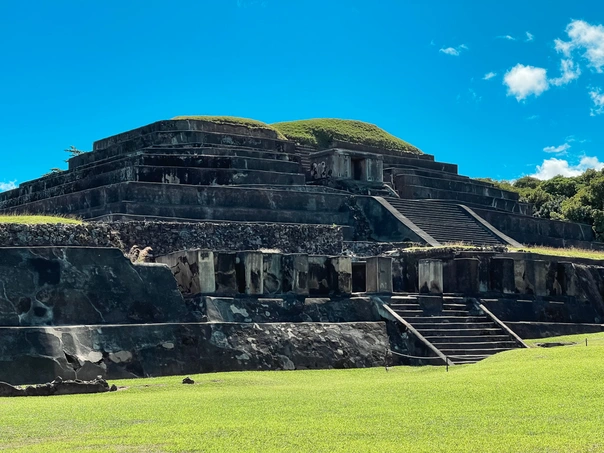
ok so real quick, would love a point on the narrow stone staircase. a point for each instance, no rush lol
(445, 222)
(460, 334)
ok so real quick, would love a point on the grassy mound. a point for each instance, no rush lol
(530, 400)
(321, 132)
(36, 219)
(233, 121)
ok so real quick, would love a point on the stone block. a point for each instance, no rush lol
(430, 276)
(340, 268)
(467, 278)
(272, 276)
(294, 268)
(531, 276)
(193, 270)
(379, 275)
(225, 273)
(249, 269)
(501, 275)
(318, 275)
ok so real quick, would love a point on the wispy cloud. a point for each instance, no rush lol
(4, 186)
(557, 149)
(597, 96)
(553, 167)
(532, 117)
(529, 37)
(523, 81)
(506, 37)
(570, 71)
(489, 75)
(587, 39)
(454, 51)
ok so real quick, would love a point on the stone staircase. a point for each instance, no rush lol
(445, 222)
(458, 330)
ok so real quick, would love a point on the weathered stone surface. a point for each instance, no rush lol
(467, 278)
(29, 355)
(193, 270)
(168, 237)
(78, 285)
(430, 273)
(295, 268)
(250, 272)
(501, 275)
(379, 275)
(263, 310)
(57, 387)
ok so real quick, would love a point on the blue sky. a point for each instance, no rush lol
(503, 89)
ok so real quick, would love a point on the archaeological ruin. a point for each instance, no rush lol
(213, 244)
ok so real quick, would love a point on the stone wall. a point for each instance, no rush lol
(167, 237)
(39, 354)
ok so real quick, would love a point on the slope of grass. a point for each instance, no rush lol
(321, 132)
(532, 400)
(569, 252)
(35, 219)
(592, 339)
(233, 121)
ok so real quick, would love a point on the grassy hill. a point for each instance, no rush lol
(233, 121)
(531, 400)
(321, 132)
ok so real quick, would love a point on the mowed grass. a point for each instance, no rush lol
(36, 219)
(592, 339)
(321, 132)
(531, 400)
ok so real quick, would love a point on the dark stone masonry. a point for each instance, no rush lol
(167, 237)
(217, 247)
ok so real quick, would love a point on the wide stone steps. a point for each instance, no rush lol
(445, 222)
(457, 330)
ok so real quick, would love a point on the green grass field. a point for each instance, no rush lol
(322, 131)
(532, 400)
(35, 219)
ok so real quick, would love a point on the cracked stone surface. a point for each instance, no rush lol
(38, 354)
(79, 285)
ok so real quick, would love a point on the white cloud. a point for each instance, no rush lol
(586, 38)
(508, 37)
(553, 167)
(569, 71)
(557, 149)
(532, 117)
(523, 81)
(597, 96)
(529, 37)
(489, 75)
(450, 51)
(4, 186)
(455, 51)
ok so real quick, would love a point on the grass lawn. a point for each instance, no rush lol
(34, 219)
(322, 131)
(531, 400)
(592, 339)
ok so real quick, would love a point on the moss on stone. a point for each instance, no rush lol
(322, 132)
(234, 121)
